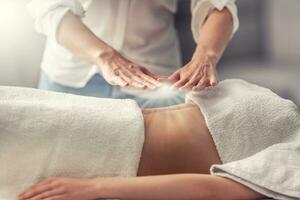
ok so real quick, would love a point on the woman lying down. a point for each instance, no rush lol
(234, 141)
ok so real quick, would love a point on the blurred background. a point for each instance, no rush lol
(265, 50)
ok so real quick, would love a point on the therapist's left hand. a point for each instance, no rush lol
(196, 75)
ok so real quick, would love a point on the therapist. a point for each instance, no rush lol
(127, 48)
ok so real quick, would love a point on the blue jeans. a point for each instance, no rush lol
(98, 87)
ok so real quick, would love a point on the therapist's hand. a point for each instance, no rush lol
(117, 70)
(82, 42)
(199, 73)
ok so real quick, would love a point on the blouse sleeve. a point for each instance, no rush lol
(47, 14)
(200, 9)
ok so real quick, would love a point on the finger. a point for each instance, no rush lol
(213, 75)
(132, 83)
(136, 85)
(133, 76)
(147, 80)
(142, 81)
(203, 83)
(180, 83)
(119, 80)
(175, 76)
(48, 194)
(148, 72)
(162, 78)
(116, 78)
(125, 77)
(190, 84)
(57, 197)
(149, 76)
(193, 80)
(35, 191)
(33, 187)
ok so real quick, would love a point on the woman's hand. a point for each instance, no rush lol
(117, 70)
(60, 189)
(199, 73)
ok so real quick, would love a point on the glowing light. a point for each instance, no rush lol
(164, 91)
(165, 95)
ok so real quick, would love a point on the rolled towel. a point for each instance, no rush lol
(44, 134)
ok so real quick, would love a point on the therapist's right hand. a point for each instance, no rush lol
(117, 70)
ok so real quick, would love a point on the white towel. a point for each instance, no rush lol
(257, 135)
(44, 134)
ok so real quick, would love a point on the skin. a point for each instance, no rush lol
(117, 70)
(199, 73)
(177, 154)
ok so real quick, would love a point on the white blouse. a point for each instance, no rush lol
(141, 30)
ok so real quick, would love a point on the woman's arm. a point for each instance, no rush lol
(174, 187)
(215, 34)
(168, 187)
(201, 70)
(160, 187)
(81, 41)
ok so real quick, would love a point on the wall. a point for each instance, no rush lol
(277, 66)
(284, 29)
(20, 46)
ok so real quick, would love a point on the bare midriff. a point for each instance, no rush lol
(177, 140)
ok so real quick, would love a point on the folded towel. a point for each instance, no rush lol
(44, 134)
(257, 135)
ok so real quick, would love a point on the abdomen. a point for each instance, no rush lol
(176, 141)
